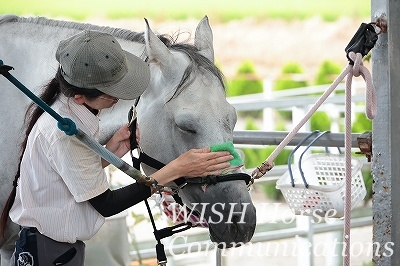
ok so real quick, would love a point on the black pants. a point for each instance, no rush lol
(33, 248)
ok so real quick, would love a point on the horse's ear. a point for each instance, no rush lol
(156, 50)
(203, 39)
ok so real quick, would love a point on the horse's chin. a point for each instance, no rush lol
(232, 236)
(228, 210)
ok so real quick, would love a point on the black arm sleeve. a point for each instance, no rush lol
(112, 202)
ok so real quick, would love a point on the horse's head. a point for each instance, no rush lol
(185, 107)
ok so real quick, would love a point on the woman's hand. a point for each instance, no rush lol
(194, 163)
(202, 162)
(119, 144)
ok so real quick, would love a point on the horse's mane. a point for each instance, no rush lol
(192, 51)
(116, 32)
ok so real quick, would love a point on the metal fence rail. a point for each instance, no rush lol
(253, 137)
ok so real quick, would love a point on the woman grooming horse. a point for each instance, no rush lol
(61, 192)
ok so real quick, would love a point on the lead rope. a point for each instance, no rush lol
(361, 43)
(268, 164)
(355, 68)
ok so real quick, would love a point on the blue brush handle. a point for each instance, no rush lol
(69, 127)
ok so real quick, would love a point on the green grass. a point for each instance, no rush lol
(218, 10)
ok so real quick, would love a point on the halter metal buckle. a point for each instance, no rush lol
(182, 185)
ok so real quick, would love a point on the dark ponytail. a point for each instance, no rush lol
(50, 94)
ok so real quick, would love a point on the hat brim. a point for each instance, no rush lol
(133, 84)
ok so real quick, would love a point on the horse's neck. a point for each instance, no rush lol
(30, 48)
(35, 44)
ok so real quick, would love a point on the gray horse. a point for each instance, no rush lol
(184, 107)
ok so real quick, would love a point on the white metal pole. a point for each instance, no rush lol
(218, 257)
(386, 131)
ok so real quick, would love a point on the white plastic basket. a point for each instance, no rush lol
(326, 179)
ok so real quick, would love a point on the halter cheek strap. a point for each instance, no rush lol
(158, 233)
(143, 157)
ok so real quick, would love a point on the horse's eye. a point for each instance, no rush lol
(186, 123)
(186, 129)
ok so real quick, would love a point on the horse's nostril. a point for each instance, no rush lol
(235, 219)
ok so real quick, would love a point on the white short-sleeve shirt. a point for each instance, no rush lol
(58, 175)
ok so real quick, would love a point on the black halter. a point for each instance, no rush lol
(180, 183)
(158, 233)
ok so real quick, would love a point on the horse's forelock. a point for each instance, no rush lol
(197, 62)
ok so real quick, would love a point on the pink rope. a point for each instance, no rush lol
(348, 171)
(357, 70)
(351, 70)
(268, 164)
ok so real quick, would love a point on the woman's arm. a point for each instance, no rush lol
(196, 162)
(112, 202)
(193, 163)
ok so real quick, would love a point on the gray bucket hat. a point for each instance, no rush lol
(95, 60)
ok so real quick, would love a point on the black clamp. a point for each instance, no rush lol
(363, 41)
